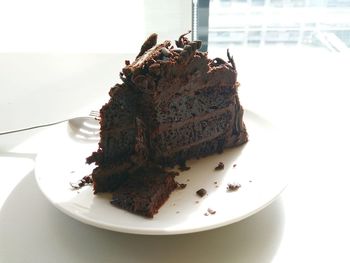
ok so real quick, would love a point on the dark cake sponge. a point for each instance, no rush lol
(144, 191)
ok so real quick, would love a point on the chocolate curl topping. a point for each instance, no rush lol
(230, 59)
(182, 40)
(150, 42)
(217, 61)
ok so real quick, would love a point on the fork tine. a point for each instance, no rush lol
(94, 113)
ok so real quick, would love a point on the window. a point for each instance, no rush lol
(321, 24)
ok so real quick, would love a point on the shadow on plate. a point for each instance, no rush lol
(30, 223)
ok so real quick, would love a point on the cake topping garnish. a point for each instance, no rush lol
(230, 59)
(217, 62)
(182, 40)
(165, 52)
(150, 42)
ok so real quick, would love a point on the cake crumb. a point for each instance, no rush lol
(181, 186)
(233, 187)
(234, 165)
(206, 214)
(183, 168)
(201, 192)
(220, 166)
(211, 211)
(86, 180)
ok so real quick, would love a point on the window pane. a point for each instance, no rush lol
(321, 24)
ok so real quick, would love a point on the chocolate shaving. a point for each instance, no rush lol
(165, 52)
(198, 43)
(182, 40)
(150, 42)
(230, 59)
(217, 62)
(124, 79)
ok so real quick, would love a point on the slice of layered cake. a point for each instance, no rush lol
(174, 104)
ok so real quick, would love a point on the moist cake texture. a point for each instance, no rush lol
(173, 104)
(144, 191)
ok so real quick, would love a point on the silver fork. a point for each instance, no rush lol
(74, 123)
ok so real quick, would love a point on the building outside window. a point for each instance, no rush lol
(321, 24)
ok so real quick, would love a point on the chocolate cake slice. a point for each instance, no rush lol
(174, 104)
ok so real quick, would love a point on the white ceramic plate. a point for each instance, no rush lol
(257, 167)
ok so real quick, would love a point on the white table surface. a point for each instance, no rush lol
(303, 92)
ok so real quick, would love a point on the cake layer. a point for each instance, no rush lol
(183, 107)
(201, 127)
(117, 133)
(218, 76)
(109, 177)
(123, 100)
(145, 191)
(118, 146)
(187, 135)
(175, 77)
(205, 148)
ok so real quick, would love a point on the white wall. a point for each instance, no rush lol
(88, 26)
